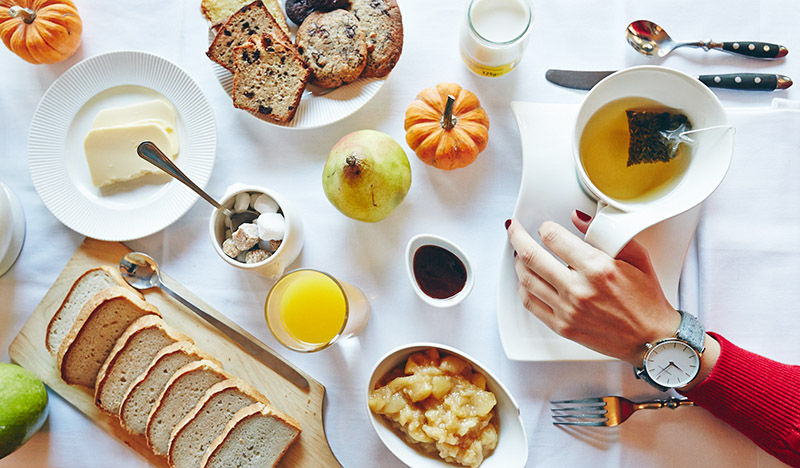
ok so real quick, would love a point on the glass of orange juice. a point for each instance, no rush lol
(308, 310)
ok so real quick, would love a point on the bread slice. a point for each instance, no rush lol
(269, 79)
(88, 284)
(131, 355)
(194, 433)
(181, 394)
(145, 389)
(256, 437)
(251, 20)
(102, 320)
(218, 11)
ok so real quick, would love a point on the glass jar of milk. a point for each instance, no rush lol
(494, 35)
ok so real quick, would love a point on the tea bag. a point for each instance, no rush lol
(654, 136)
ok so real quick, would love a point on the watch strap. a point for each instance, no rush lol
(692, 332)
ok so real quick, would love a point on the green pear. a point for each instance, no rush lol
(23, 406)
(367, 175)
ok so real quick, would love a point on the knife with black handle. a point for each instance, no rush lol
(579, 79)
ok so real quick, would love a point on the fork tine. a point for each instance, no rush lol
(599, 409)
(575, 402)
(588, 417)
(580, 423)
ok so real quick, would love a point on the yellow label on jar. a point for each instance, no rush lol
(485, 70)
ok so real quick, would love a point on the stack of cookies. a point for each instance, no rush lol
(341, 45)
(337, 42)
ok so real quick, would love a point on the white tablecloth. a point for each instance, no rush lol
(468, 206)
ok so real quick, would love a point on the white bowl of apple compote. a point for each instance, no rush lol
(434, 406)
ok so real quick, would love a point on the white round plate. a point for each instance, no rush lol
(318, 106)
(57, 162)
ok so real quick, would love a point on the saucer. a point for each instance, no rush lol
(550, 190)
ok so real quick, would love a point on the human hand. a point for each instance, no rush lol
(613, 306)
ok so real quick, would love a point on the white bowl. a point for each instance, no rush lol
(429, 239)
(274, 266)
(512, 445)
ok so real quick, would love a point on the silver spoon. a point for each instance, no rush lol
(650, 39)
(151, 153)
(142, 272)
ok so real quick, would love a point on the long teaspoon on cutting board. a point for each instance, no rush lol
(142, 272)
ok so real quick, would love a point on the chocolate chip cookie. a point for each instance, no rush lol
(333, 46)
(383, 27)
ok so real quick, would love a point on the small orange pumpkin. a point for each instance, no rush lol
(40, 31)
(446, 126)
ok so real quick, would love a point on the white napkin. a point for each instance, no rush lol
(748, 239)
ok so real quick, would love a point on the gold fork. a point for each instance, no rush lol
(605, 411)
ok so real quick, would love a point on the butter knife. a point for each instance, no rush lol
(579, 79)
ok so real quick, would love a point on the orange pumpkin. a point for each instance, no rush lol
(40, 31)
(446, 126)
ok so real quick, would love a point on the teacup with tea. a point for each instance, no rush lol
(629, 158)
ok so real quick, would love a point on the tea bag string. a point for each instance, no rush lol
(682, 136)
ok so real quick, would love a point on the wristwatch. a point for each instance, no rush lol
(674, 362)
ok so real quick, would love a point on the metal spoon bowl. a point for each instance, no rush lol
(148, 151)
(650, 39)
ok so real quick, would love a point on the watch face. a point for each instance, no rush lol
(672, 363)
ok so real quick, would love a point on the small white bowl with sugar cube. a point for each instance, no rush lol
(267, 245)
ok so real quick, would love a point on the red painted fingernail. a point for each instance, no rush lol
(508, 223)
(583, 216)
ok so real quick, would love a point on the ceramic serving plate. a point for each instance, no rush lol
(57, 161)
(550, 190)
(318, 106)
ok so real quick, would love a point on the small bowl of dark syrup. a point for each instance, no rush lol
(440, 272)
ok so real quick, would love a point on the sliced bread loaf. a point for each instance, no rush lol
(218, 11)
(101, 321)
(87, 285)
(194, 433)
(251, 20)
(145, 390)
(181, 394)
(256, 437)
(269, 78)
(131, 355)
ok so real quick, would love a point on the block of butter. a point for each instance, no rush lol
(110, 145)
(111, 151)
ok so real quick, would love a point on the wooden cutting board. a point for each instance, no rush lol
(28, 350)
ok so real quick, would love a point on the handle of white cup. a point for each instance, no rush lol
(611, 228)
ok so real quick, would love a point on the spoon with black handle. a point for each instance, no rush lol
(148, 151)
(648, 38)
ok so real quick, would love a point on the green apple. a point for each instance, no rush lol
(23, 406)
(367, 175)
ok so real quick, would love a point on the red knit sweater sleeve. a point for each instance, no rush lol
(757, 396)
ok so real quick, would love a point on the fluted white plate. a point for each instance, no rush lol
(57, 162)
(318, 106)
